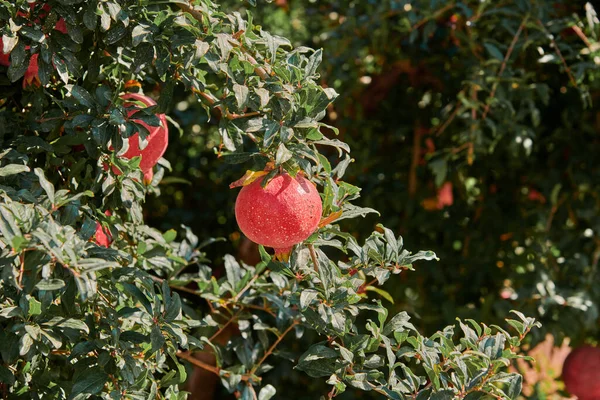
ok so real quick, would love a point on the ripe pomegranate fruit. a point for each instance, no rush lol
(158, 139)
(581, 373)
(103, 236)
(286, 212)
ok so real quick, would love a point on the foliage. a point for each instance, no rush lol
(80, 320)
(493, 100)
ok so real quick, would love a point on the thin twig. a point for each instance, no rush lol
(231, 115)
(241, 292)
(581, 35)
(470, 146)
(255, 307)
(553, 212)
(208, 367)
(21, 270)
(457, 109)
(432, 16)
(212, 100)
(503, 66)
(559, 54)
(221, 329)
(416, 156)
(274, 346)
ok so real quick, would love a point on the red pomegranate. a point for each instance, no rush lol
(32, 77)
(445, 196)
(157, 140)
(103, 237)
(286, 212)
(4, 58)
(32, 74)
(581, 373)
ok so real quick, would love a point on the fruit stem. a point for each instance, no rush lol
(282, 255)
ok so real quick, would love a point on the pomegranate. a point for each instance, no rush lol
(445, 196)
(286, 212)
(581, 373)
(32, 74)
(4, 58)
(158, 139)
(103, 236)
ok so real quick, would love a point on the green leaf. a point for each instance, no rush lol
(35, 307)
(67, 323)
(381, 292)
(324, 162)
(267, 392)
(233, 270)
(283, 155)
(90, 382)
(173, 311)
(494, 52)
(9, 312)
(83, 96)
(271, 129)
(318, 361)
(25, 344)
(170, 235)
(61, 67)
(50, 284)
(157, 338)
(13, 169)
(444, 394)
(352, 211)
(45, 184)
(398, 323)
(306, 298)
(241, 95)
(6, 376)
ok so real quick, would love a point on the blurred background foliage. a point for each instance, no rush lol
(476, 133)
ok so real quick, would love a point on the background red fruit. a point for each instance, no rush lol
(157, 140)
(445, 196)
(581, 373)
(284, 213)
(31, 75)
(103, 236)
(4, 58)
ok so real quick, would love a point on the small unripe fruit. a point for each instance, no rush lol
(581, 373)
(286, 212)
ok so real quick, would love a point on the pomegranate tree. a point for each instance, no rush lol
(283, 213)
(80, 321)
(581, 373)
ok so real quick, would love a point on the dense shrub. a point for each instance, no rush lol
(471, 131)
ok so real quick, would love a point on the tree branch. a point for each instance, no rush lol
(503, 66)
(274, 346)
